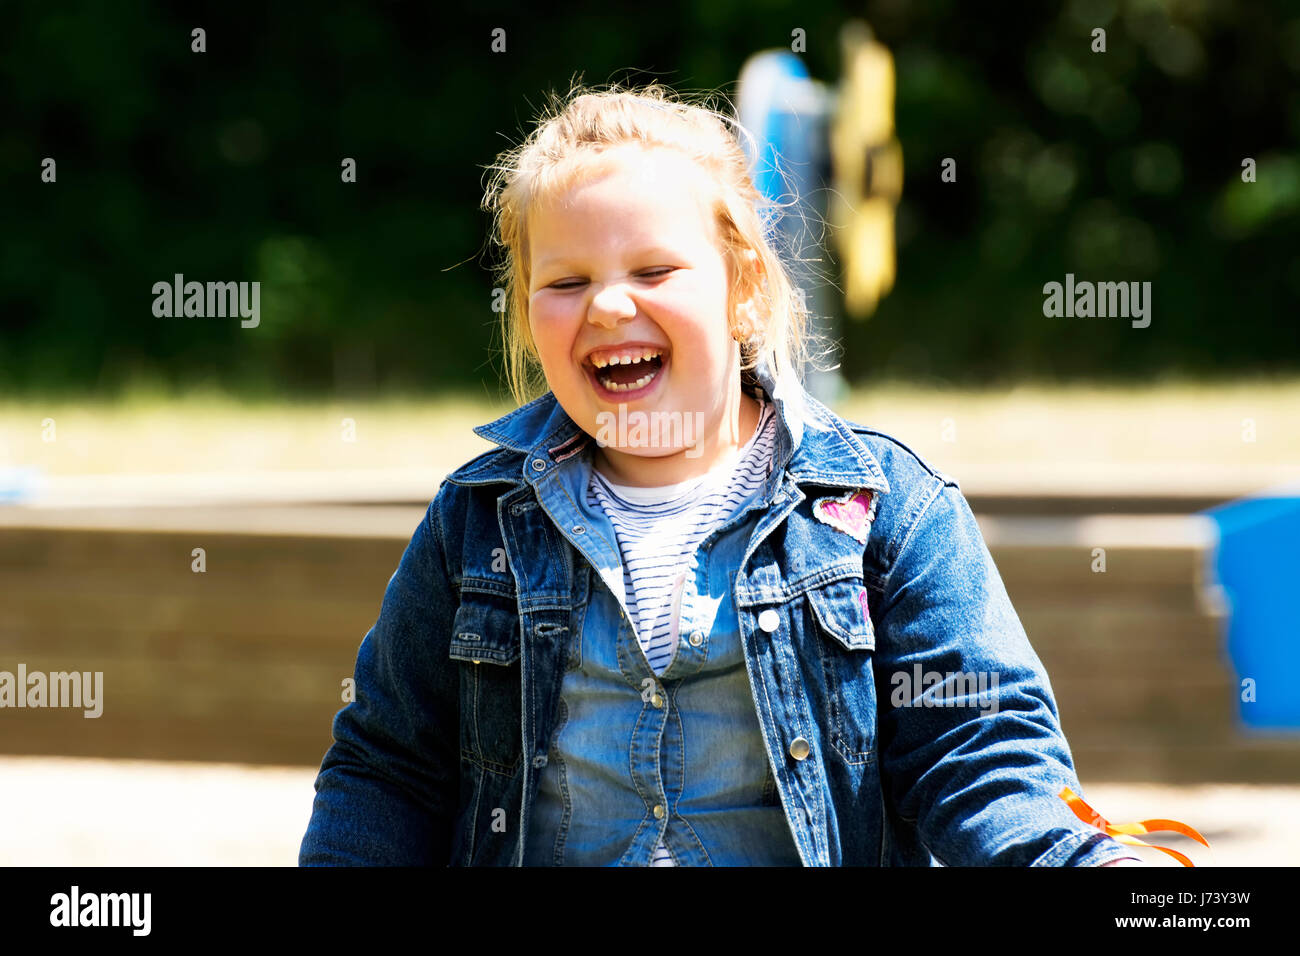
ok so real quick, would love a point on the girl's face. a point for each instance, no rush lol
(626, 265)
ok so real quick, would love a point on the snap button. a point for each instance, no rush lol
(656, 700)
(539, 760)
(769, 620)
(659, 811)
(799, 748)
(539, 465)
(697, 639)
(579, 529)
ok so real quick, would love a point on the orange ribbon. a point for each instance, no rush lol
(1123, 831)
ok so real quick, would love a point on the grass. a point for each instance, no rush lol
(1180, 429)
(1179, 424)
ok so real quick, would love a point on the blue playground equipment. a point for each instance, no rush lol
(788, 113)
(831, 162)
(1256, 565)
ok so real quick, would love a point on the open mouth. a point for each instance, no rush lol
(629, 372)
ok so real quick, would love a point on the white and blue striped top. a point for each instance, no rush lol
(659, 529)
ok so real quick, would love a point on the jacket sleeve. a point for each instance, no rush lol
(387, 788)
(979, 769)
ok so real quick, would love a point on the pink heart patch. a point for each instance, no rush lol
(851, 513)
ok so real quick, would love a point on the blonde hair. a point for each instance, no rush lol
(569, 140)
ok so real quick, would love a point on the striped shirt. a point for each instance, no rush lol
(659, 530)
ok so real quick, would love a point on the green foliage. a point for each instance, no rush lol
(225, 166)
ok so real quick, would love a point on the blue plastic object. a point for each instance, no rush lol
(788, 115)
(1257, 565)
(767, 109)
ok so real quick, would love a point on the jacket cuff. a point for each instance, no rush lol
(1082, 848)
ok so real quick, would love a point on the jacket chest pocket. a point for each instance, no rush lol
(837, 614)
(485, 640)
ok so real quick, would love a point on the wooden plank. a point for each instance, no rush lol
(216, 688)
(141, 563)
(1265, 762)
(171, 621)
(1095, 635)
(301, 741)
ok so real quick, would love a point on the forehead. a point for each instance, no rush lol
(659, 166)
(631, 191)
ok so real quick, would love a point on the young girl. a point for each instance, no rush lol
(683, 614)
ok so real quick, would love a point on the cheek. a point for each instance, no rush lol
(552, 331)
(699, 315)
(702, 344)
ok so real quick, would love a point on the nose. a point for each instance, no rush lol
(610, 305)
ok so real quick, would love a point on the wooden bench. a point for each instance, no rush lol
(245, 662)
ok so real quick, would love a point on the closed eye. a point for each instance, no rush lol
(648, 274)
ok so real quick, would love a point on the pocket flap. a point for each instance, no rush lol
(485, 630)
(842, 611)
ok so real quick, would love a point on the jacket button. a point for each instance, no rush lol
(659, 811)
(697, 639)
(799, 748)
(579, 529)
(769, 620)
(656, 700)
(539, 760)
(539, 465)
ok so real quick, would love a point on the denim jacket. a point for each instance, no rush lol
(905, 717)
(638, 754)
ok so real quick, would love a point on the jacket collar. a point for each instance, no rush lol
(814, 445)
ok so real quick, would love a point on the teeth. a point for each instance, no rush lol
(628, 359)
(642, 382)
